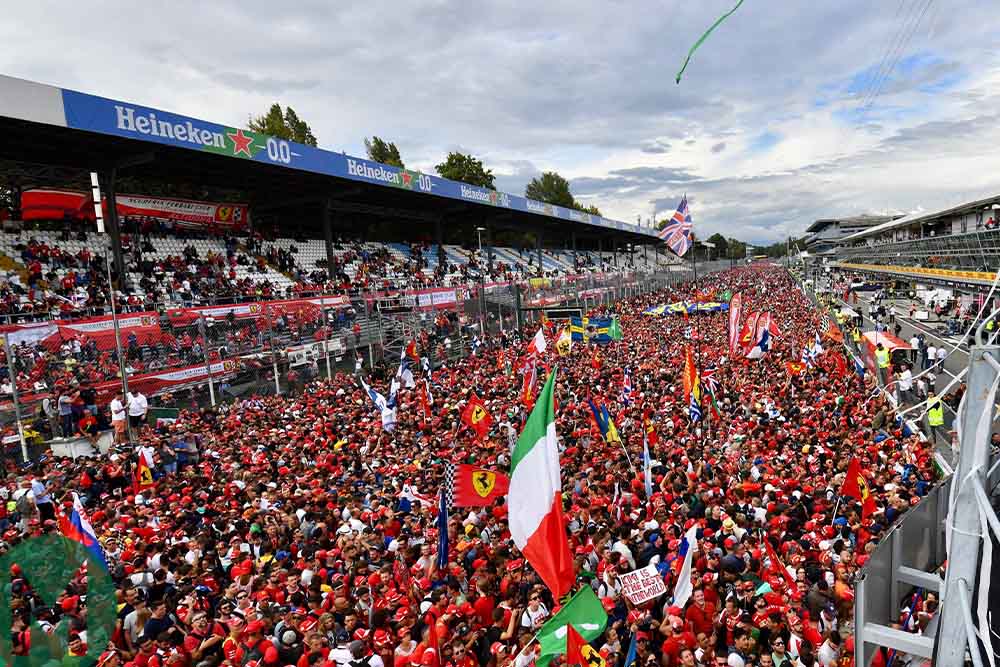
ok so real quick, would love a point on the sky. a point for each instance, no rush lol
(791, 111)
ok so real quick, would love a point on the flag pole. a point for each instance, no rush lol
(836, 506)
(697, 332)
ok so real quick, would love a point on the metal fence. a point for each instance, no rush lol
(190, 358)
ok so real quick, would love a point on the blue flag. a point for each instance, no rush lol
(647, 467)
(630, 656)
(442, 526)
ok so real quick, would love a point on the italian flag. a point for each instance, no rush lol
(535, 496)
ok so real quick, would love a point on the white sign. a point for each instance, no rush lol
(643, 584)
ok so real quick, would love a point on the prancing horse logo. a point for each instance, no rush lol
(483, 482)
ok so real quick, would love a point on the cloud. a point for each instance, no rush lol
(764, 133)
(655, 147)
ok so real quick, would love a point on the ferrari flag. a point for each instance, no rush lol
(473, 486)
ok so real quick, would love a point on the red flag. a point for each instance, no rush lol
(856, 486)
(650, 427)
(411, 352)
(426, 400)
(476, 417)
(432, 644)
(528, 386)
(537, 344)
(776, 565)
(143, 477)
(841, 363)
(475, 486)
(795, 367)
(574, 647)
(735, 312)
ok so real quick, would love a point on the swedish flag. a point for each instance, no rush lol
(604, 422)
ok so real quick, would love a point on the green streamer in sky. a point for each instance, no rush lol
(704, 37)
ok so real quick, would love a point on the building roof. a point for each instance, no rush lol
(923, 217)
(46, 125)
(864, 220)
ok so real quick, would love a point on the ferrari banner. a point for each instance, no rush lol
(475, 487)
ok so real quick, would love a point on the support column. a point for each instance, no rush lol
(600, 252)
(489, 246)
(538, 249)
(572, 236)
(111, 220)
(439, 239)
(614, 250)
(328, 238)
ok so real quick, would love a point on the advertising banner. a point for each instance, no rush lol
(145, 326)
(185, 213)
(137, 122)
(257, 309)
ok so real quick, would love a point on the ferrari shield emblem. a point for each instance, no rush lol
(591, 657)
(483, 482)
(478, 414)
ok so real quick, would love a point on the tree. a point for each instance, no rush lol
(737, 249)
(720, 243)
(550, 188)
(593, 210)
(283, 125)
(384, 152)
(466, 169)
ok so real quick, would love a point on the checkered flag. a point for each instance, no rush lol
(449, 483)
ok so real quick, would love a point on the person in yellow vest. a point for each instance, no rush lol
(882, 360)
(856, 338)
(935, 414)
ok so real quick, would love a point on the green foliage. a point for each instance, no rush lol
(550, 188)
(781, 247)
(284, 124)
(720, 243)
(593, 210)
(466, 169)
(382, 151)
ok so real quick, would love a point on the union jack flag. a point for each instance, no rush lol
(709, 379)
(677, 232)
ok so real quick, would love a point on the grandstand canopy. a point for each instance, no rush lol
(55, 137)
(925, 217)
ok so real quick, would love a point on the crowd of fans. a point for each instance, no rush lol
(57, 283)
(296, 531)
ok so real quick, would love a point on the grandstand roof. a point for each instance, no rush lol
(850, 221)
(44, 125)
(923, 217)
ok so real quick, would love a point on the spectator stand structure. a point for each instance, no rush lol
(925, 591)
(298, 247)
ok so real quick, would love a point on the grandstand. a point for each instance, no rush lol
(287, 251)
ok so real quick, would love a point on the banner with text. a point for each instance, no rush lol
(643, 585)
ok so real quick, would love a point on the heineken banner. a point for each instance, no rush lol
(133, 121)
